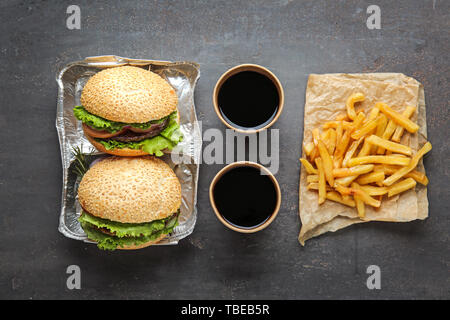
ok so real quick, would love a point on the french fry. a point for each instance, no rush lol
(360, 207)
(375, 176)
(346, 197)
(312, 186)
(326, 138)
(387, 134)
(402, 161)
(316, 136)
(389, 169)
(345, 181)
(413, 163)
(314, 154)
(379, 198)
(336, 197)
(389, 131)
(351, 151)
(389, 145)
(315, 186)
(375, 191)
(327, 163)
(418, 176)
(324, 135)
(381, 126)
(358, 120)
(308, 147)
(322, 184)
(344, 191)
(312, 178)
(398, 155)
(354, 98)
(337, 162)
(365, 150)
(343, 143)
(373, 113)
(398, 118)
(342, 117)
(365, 129)
(334, 124)
(361, 193)
(308, 166)
(399, 130)
(339, 132)
(401, 186)
(380, 167)
(331, 141)
(356, 170)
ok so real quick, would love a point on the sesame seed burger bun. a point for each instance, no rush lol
(129, 94)
(130, 190)
(143, 245)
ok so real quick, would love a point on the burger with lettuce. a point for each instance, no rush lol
(129, 111)
(129, 202)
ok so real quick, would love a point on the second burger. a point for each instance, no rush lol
(129, 202)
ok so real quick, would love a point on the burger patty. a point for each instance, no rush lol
(105, 231)
(130, 136)
(109, 233)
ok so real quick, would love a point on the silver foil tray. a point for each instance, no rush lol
(184, 158)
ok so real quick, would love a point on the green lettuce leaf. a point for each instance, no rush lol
(125, 229)
(100, 123)
(125, 233)
(113, 144)
(172, 131)
(96, 122)
(107, 242)
(153, 145)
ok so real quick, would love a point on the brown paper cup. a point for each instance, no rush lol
(242, 164)
(248, 67)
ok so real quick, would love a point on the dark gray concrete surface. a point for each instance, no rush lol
(293, 39)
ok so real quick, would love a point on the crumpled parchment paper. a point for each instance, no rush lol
(326, 95)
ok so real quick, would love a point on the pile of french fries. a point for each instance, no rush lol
(359, 158)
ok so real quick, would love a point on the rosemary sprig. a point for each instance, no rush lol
(80, 166)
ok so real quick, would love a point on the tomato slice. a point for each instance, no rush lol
(101, 134)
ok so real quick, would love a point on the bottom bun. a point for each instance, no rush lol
(144, 245)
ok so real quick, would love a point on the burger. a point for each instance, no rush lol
(129, 111)
(129, 202)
